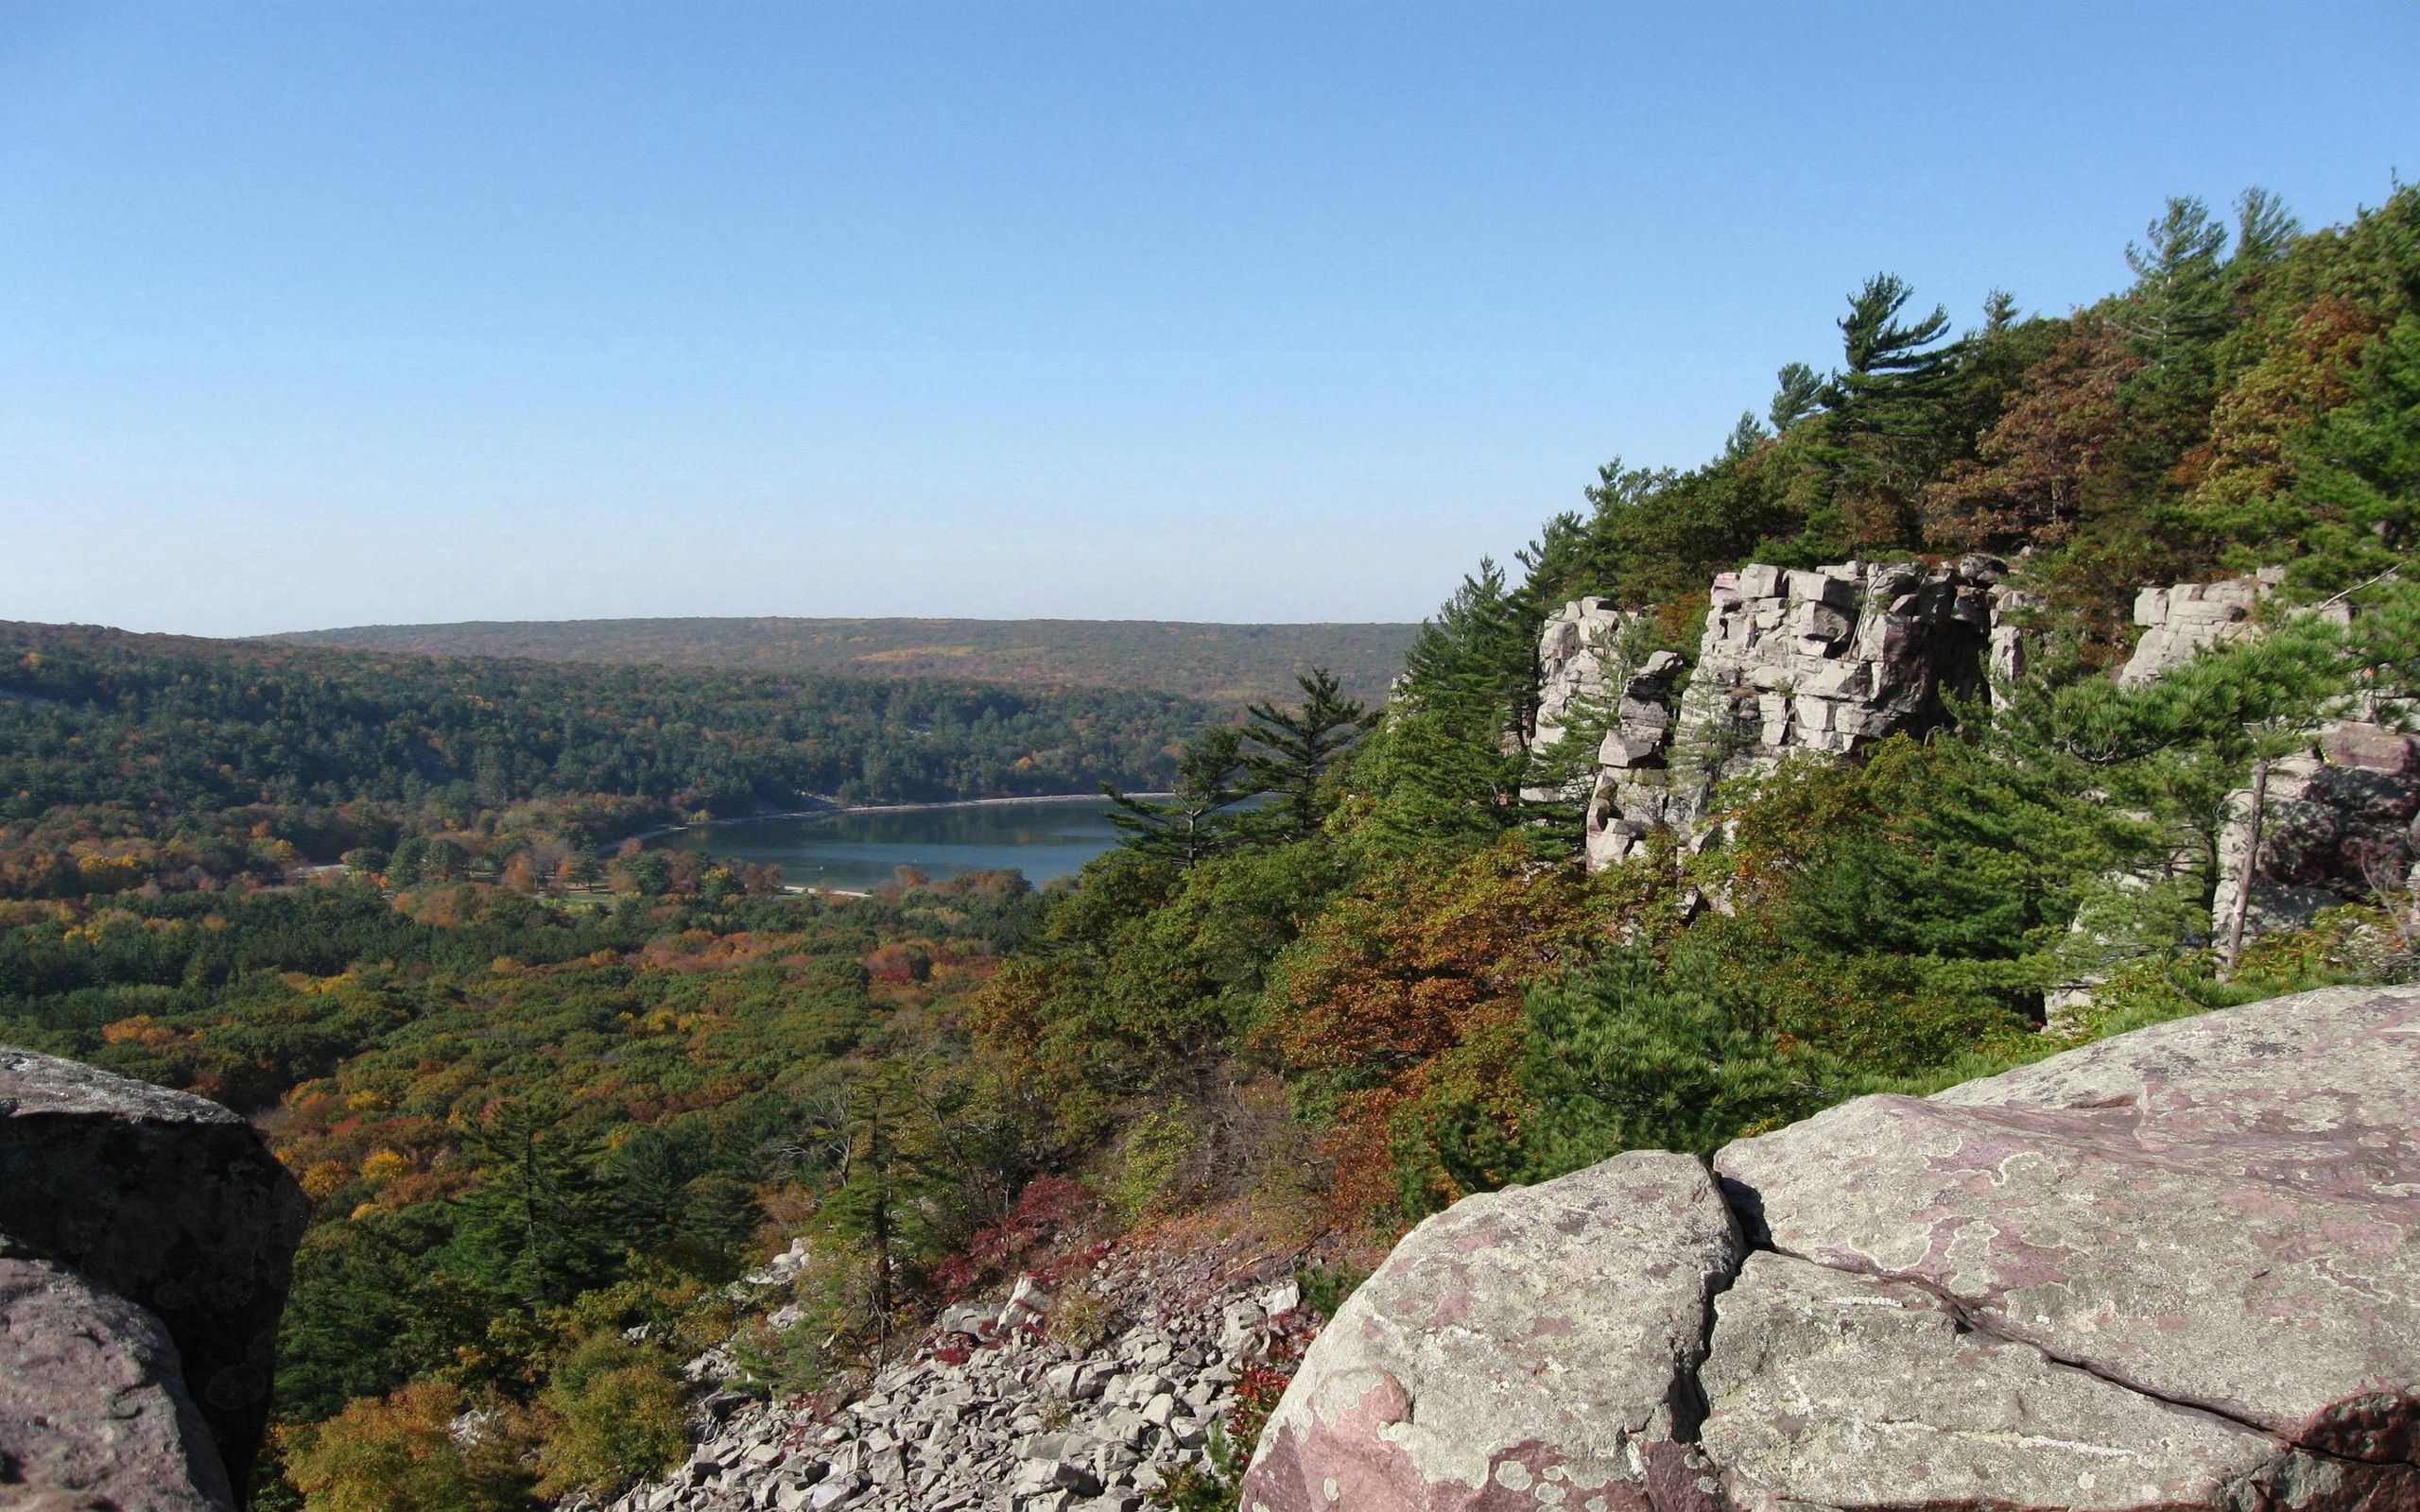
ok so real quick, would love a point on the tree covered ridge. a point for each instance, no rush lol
(2240, 404)
(125, 759)
(1449, 1001)
(1229, 665)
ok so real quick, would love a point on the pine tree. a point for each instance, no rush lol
(1888, 431)
(537, 1224)
(1895, 373)
(2356, 483)
(1447, 764)
(1198, 820)
(1295, 749)
(2178, 303)
(1798, 392)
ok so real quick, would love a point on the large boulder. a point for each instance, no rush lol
(2176, 1269)
(1526, 1348)
(94, 1412)
(166, 1201)
(2221, 1213)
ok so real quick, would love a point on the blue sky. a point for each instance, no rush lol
(322, 315)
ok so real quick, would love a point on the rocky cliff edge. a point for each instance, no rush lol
(2176, 1269)
(146, 1239)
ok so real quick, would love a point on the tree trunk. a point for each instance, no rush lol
(2251, 863)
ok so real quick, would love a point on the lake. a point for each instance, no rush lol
(856, 849)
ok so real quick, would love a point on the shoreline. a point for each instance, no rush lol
(835, 809)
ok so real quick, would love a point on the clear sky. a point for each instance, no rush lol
(320, 315)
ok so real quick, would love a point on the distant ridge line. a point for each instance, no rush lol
(1227, 663)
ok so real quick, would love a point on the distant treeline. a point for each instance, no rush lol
(1225, 664)
(127, 758)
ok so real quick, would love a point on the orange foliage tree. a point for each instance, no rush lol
(1406, 996)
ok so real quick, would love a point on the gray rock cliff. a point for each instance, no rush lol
(1828, 661)
(2178, 1269)
(150, 1238)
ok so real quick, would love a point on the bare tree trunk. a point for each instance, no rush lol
(2250, 862)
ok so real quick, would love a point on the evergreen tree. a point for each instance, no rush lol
(2265, 230)
(2178, 303)
(1744, 437)
(1798, 392)
(1895, 373)
(1199, 819)
(2355, 495)
(1447, 762)
(1294, 751)
(1887, 430)
(537, 1224)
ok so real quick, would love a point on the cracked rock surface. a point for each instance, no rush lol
(1534, 1346)
(2176, 1269)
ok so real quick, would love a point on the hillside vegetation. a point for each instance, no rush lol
(1346, 974)
(1225, 665)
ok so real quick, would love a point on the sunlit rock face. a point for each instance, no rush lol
(2176, 1269)
(1827, 661)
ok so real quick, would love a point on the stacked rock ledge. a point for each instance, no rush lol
(1827, 661)
(2177, 1269)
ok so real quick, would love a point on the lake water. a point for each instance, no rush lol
(856, 850)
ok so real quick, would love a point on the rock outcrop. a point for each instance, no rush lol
(2182, 621)
(1826, 661)
(2340, 822)
(2178, 1269)
(1523, 1348)
(127, 1204)
(94, 1410)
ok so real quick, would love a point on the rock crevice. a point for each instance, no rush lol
(2180, 1268)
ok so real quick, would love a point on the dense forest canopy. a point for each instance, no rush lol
(1349, 969)
(129, 759)
(1229, 665)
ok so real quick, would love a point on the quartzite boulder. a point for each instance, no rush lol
(1837, 1390)
(166, 1201)
(2176, 1269)
(1527, 1348)
(2221, 1214)
(94, 1412)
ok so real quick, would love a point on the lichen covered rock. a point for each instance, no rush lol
(1528, 1347)
(2176, 1269)
(2221, 1213)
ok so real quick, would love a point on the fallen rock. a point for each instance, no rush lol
(1541, 1342)
(168, 1202)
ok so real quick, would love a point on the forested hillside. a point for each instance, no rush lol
(1225, 665)
(132, 759)
(1353, 970)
